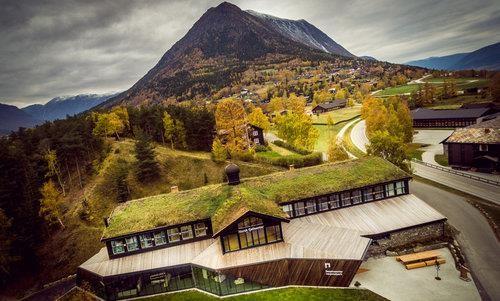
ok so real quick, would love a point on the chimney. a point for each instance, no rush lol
(291, 167)
(174, 189)
(106, 223)
(233, 174)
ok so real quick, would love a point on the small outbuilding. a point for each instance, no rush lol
(329, 106)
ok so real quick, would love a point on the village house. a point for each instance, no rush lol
(433, 118)
(312, 226)
(329, 106)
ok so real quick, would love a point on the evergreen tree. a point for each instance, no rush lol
(147, 166)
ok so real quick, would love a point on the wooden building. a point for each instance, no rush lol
(256, 135)
(476, 146)
(311, 226)
(329, 106)
(429, 118)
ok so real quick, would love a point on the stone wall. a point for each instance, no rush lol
(405, 238)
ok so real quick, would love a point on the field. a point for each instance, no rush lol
(326, 134)
(285, 294)
(337, 115)
(462, 83)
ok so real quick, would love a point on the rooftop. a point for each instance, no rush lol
(486, 132)
(224, 204)
(332, 104)
(423, 113)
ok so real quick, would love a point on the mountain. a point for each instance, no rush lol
(11, 118)
(486, 58)
(60, 107)
(303, 32)
(367, 57)
(218, 49)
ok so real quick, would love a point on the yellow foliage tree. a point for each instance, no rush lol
(297, 129)
(231, 120)
(336, 151)
(51, 203)
(258, 118)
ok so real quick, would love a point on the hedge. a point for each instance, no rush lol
(292, 148)
(295, 160)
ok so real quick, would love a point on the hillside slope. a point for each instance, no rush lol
(11, 118)
(486, 58)
(212, 54)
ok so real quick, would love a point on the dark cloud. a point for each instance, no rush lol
(53, 48)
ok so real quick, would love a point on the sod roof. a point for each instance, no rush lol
(224, 204)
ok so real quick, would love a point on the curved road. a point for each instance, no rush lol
(476, 238)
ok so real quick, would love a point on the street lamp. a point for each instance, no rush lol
(438, 266)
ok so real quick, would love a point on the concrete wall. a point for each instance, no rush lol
(407, 237)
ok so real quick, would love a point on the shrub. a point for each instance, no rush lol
(295, 160)
(292, 148)
(262, 148)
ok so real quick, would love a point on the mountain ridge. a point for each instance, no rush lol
(485, 58)
(12, 118)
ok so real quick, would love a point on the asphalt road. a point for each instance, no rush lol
(480, 189)
(476, 238)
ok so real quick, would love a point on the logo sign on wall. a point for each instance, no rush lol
(330, 272)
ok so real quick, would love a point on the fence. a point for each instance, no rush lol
(459, 173)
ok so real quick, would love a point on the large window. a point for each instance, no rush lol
(378, 192)
(186, 232)
(118, 246)
(323, 203)
(299, 209)
(288, 209)
(368, 194)
(251, 232)
(146, 240)
(132, 244)
(160, 238)
(334, 201)
(400, 187)
(356, 197)
(173, 235)
(310, 206)
(200, 229)
(389, 189)
(346, 198)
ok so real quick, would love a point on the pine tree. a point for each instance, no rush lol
(147, 166)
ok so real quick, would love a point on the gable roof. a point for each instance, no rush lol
(224, 204)
(423, 113)
(331, 104)
(486, 132)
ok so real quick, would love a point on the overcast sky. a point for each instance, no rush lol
(54, 48)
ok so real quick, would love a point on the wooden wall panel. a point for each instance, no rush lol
(299, 272)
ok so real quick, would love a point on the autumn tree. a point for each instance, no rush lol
(109, 124)
(374, 113)
(276, 104)
(336, 151)
(219, 152)
(296, 104)
(169, 128)
(321, 96)
(389, 147)
(231, 120)
(258, 118)
(147, 166)
(297, 129)
(51, 204)
(50, 157)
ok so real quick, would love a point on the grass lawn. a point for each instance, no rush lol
(397, 90)
(441, 159)
(285, 294)
(414, 151)
(326, 134)
(280, 150)
(338, 115)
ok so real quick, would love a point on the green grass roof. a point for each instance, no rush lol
(224, 204)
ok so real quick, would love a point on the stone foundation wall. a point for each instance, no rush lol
(404, 238)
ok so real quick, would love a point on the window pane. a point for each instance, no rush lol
(334, 201)
(368, 195)
(311, 206)
(273, 233)
(288, 209)
(400, 187)
(346, 198)
(389, 189)
(160, 238)
(200, 229)
(146, 240)
(378, 192)
(299, 209)
(356, 197)
(132, 244)
(117, 246)
(232, 242)
(323, 203)
(173, 235)
(187, 232)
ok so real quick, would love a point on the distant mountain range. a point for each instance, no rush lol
(486, 58)
(11, 117)
(60, 107)
(218, 47)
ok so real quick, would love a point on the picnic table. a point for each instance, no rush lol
(421, 259)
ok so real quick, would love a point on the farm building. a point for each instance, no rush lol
(329, 106)
(311, 226)
(429, 118)
(476, 146)
(256, 135)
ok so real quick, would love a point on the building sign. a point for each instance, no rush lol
(330, 272)
(250, 229)
(156, 278)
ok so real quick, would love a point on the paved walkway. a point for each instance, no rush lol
(358, 136)
(341, 133)
(433, 138)
(476, 238)
(390, 279)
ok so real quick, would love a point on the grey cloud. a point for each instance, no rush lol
(52, 48)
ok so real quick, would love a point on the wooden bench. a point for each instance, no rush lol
(421, 259)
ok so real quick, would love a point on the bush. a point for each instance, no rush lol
(262, 148)
(245, 156)
(292, 148)
(295, 160)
